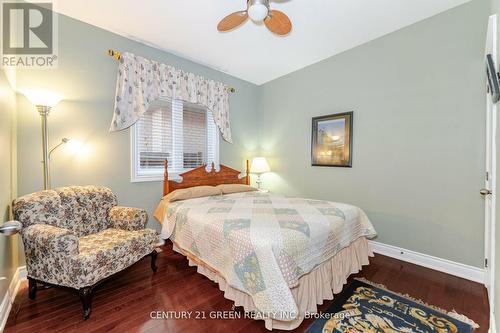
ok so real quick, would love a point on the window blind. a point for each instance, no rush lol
(154, 139)
(184, 134)
(195, 137)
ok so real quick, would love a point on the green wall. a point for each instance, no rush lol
(418, 98)
(418, 101)
(87, 78)
(8, 245)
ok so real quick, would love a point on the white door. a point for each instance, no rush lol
(489, 190)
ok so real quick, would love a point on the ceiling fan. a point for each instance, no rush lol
(258, 11)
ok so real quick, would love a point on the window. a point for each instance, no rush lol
(185, 134)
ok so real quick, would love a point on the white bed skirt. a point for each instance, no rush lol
(320, 284)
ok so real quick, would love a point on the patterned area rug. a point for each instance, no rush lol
(367, 307)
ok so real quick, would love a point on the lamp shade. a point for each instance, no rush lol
(42, 97)
(259, 165)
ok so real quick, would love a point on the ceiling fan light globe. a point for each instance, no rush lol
(258, 12)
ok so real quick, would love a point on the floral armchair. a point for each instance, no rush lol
(77, 236)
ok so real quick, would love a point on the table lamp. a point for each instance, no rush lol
(259, 166)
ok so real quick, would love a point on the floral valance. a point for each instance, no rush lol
(141, 81)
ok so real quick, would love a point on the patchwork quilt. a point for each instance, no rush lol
(262, 243)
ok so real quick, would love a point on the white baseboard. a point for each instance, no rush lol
(443, 265)
(18, 277)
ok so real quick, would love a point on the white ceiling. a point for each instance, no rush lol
(321, 29)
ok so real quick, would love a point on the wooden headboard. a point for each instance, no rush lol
(200, 177)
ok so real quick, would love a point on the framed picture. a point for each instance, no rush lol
(331, 143)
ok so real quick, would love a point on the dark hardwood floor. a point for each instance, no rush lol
(124, 304)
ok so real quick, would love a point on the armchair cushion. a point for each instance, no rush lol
(40, 207)
(46, 238)
(85, 208)
(48, 251)
(81, 209)
(127, 218)
(107, 252)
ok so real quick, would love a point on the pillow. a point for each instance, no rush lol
(204, 191)
(191, 193)
(235, 188)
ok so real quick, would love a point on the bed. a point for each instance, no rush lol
(278, 257)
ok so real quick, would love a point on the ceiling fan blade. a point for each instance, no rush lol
(232, 21)
(278, 23)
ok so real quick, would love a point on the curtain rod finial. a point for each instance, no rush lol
(114, 54)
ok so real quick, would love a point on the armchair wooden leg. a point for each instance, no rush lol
(32, 287)
(86, 294)
(154, 255)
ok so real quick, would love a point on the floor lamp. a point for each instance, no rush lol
(44, 102)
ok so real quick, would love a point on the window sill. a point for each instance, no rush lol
(143, 179)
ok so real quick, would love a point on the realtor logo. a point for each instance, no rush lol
(28, 34)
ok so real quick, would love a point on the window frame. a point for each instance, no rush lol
(154, 176)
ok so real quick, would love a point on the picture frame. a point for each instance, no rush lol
(331, 140)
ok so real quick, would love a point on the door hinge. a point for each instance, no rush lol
(487, 176)
(486, 262)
